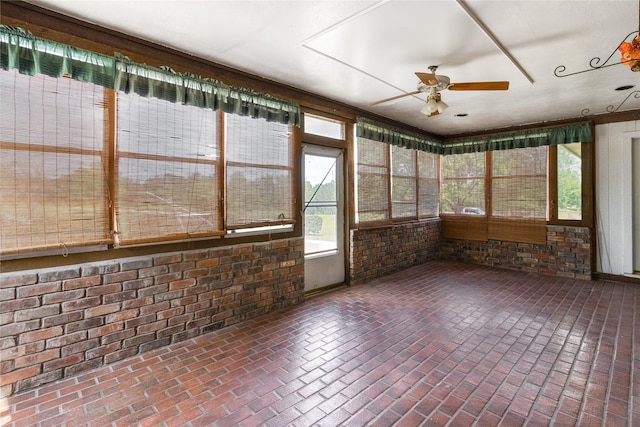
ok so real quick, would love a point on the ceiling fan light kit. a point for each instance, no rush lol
(434, 105)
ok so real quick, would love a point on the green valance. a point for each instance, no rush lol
(529, 138)
(371, 130)
(31, 55)
(164, 83)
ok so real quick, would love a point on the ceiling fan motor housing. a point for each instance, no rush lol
(439, 83)
(443, 82)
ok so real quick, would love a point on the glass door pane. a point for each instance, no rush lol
(321, 204)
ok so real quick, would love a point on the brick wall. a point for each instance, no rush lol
(58, 322)
(377, 252)
(567, 253)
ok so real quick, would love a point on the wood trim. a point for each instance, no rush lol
(332, 115)
(222, 176)
(50, 247)
(298, 187)
(349, 203)
(110, 149)
(488, 182)
(552, 183)
(168, 239)
(623, 116)
(324, 141)
(351, 179)
(616, 278)
(587, 150)
(463, 227)
(518, 230)
(483, 229)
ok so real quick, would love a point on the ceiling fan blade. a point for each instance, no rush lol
(382, 101)
(480, 86)
(428, 78)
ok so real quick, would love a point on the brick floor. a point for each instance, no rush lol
(438, 344)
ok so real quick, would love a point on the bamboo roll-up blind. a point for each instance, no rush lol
(463, 183)
(260, 179)
(53, 185)
(519, 183)
(428, 184)
(372, 181)
(168, 168)
(404, 183)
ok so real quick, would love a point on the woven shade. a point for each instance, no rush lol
(167, 171)
(428, 185)
(463, 177)
(52, 164)
(519, 183)
(372, 174)
(259, 173)
(403, 183)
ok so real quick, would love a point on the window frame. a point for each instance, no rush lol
(524, 230)
(389, 177)
(587, 150)
(119, 202)
(53, 86)
(112, 201)
(290, 169)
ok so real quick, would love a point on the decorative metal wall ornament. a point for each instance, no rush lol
(595, 63)
(613, 108)
(631, 53)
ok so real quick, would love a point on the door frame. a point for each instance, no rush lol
(342, 228)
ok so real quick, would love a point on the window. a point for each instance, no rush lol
(171, 171)
(519, 183)
(463, 184)
(403, 183)
(259, 173)
(321, 126)
(428, 184)
(168, 169)
(373, 172)
(321, 202)
(526, 189)
(395, 183)
(52, 164)
(569, 181)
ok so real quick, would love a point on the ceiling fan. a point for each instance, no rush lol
(433, 83)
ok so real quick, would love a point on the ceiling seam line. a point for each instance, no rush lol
(359, 70)
(494, 39)
(343, 21)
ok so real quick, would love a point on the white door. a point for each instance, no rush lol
(323, 214)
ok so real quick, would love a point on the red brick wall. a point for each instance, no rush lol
(380, 251)
(59, 322)
(567, 253)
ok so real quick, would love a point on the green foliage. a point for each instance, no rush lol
(325, 192)
(465, 186)
(569, 184)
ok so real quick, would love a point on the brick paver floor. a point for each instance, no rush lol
(438, 344)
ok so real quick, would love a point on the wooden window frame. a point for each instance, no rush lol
(587, 150)
(120, 206)
(389, 199)
(289, 169)
(110, 156)
(523, 230)
(68, 233)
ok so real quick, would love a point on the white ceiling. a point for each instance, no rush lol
(359, 52)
